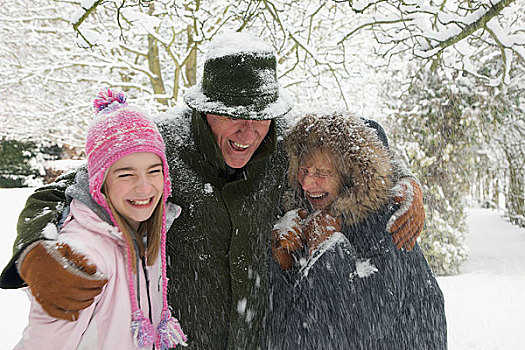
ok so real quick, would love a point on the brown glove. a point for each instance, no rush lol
(406, 223)
(319, 227)
(61, 280)
(287, 238)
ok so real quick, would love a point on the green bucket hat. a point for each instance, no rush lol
(240, 80)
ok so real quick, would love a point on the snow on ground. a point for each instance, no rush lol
(485, 304)
(13, 303)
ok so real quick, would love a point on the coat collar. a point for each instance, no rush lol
(87, 218)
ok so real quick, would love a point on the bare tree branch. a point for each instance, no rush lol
(471, 28)
(86, 14)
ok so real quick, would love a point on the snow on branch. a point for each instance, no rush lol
(485, 17)
(299, 43)
(87, 7)
(427, 29)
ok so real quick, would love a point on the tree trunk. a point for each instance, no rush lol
(515, 196)
(191, 63)
(154, 66)
(495, 191)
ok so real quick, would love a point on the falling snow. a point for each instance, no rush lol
(484, 303)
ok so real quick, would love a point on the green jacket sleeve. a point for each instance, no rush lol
(400, 170)
(37, 221)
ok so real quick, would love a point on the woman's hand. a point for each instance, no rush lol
(287, 237)
(318, 228)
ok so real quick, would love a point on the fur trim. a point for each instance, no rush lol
(360, 157)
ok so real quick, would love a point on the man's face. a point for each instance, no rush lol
(238, 139)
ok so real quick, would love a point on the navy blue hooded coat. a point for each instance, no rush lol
(357, 291)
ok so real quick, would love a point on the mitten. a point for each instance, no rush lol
(61, 279)
(318, 228)
(406, 223)
(287, 238)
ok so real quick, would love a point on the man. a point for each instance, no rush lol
(228, 174)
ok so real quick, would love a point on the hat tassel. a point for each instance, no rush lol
(169, 333)
(142, 330)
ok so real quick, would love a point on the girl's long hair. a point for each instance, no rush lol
(152, 227)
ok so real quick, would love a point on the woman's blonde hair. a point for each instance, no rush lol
(152, 227)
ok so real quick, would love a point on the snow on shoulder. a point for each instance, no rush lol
(232, 43)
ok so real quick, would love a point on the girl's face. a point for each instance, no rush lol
(134, 185)
(319, 179)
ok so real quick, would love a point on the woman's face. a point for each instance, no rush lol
(319, 178)
(134, 185)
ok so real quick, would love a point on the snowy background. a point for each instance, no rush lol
(485, 303)
(445, 79)
(450, 98)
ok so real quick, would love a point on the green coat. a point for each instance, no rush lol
(219, 246)
(218, 249)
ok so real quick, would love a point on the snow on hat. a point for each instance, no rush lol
(116, 131)
(240, 80)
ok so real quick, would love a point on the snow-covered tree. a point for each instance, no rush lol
(41, 78)
(458, 34)
(459, 136)
(304, 34)
(512, 144)
(154, 49)
(59, 53)
(435, 127)
(504, 152)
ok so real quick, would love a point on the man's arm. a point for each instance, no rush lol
(37, 221)
(406, 223)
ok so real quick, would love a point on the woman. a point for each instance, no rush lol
(347, 286)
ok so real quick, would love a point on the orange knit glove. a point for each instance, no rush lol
(287, 238)
(61, 280)
(406, 223)
(319, 227)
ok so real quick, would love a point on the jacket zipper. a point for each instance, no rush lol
(146, 277)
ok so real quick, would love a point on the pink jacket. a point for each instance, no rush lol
(106, 323)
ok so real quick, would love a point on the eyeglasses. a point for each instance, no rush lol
(318, 173)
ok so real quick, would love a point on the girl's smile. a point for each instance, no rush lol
(134, 185)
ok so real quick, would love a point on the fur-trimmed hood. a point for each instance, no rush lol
(361, 158)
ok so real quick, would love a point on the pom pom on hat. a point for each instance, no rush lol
(107, 99)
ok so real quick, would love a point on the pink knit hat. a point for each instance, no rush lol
(116, 131)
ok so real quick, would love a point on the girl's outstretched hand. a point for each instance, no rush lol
(61, 279)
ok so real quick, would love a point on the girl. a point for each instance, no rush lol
(118, 220)
(352, 289)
